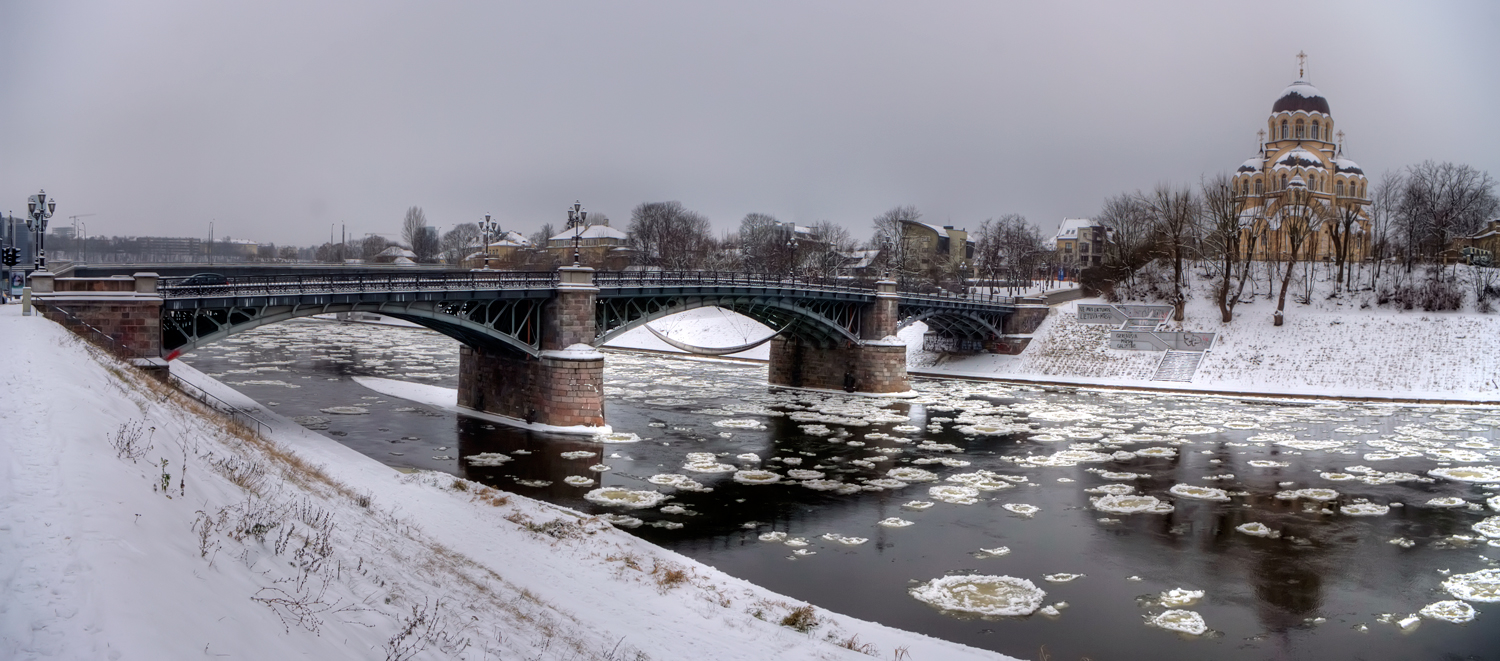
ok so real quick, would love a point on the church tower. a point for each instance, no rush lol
(1299, 158)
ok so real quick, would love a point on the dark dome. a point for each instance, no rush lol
(1301, 95)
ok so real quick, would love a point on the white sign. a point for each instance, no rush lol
(1099, 314)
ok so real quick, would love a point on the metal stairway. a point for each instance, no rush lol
(1178, 366)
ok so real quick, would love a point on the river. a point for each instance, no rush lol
(1313, 530)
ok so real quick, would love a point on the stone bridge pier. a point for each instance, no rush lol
(876, 364)
(561, 387)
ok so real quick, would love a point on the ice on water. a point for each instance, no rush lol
(982, 595)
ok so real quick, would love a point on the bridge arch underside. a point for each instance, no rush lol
(824, 323)
(966, 325)
(511, 327)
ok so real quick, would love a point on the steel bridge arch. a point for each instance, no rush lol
(825, 322)
(446, 317)
(950, 322)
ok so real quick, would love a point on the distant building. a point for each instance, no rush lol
(599, 246)
(930, 249)
(1079, 242)
(1482, 246)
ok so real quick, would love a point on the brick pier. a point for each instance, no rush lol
(120, 313)
(876, 364)
(563, 387)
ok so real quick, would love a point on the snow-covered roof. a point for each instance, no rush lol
(396, 251)
(1301, 95)
(1298, 158)
(1069, 229)
(1252, 165)
(936, 228)
(403, 261)
(512, 239)
(861, 259)
(592, 232)
(1344, 165)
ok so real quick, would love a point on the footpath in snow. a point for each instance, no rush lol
(136, 524)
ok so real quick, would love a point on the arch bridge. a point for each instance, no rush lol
(529, 339)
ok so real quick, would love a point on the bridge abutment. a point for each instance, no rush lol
(564, 386)
(876, 364)
(120, 313)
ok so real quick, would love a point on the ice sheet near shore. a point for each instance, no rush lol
(103, 565)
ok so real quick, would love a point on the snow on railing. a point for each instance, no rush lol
(204, 286)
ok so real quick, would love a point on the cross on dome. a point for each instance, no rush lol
(1301, 64)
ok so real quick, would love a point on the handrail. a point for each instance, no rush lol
(100, 338)
(208, 399)
(480, 280)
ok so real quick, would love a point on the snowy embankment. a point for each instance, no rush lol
(1329, 347)
(136, 524)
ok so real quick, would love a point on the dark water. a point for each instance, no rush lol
(1319, 590)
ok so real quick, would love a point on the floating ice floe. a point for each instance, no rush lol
(982, 595)
(579, 480)
(1494, 503)
(626, 498)
(1061, 577)
(618, 437)
(1447, 501)
(1112, 489)
(1117, 475)
(946, 461)
(676, 509)
(1180, 597)
(1022, 509)
(804, 474)
(982, 480)
(847, 541)
(1454, 611)
(1265, 463)
(705, 462)
(756, 477)
(1065, 459)
(1157, 452)
(1468, 473)
(739, 423)
(917, 504)
(681, 482)
(886, 483)
(894, 522)
(773, 536)
(996, 552)
(1257, 529)
(795, 542)
(599, 468)
(1198, 493)
(533, 483)
(1482, 585)
(579, 454)
(1181, 621)
(1131, 504)
(487, 459)
(909, 474)
(1401, 542)
(955, 494)
(667, 525)
(345, 410)
(1320, 495)
(1489, 527)
(622, 521)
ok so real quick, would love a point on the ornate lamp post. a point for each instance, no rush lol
(39, 208)
(885, 247)
(578, 220)
(487, 228)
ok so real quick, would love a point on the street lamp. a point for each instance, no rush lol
(40, 208)
(577, 219)
(488, 227)
(885, 247)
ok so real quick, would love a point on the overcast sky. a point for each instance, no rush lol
(275, 120)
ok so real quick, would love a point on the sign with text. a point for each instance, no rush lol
(1160, 341)
(1099, 314)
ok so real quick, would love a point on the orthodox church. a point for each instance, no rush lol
(1302, 176)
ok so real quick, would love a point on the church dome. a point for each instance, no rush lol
(1301, 95)
(1252, 165)
(1346, 166)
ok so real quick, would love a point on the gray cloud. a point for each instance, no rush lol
(277, 119)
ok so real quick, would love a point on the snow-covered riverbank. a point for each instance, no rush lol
(135, 526)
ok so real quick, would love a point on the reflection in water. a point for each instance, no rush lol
(1284, 577)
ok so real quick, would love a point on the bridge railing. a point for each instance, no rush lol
(726, 278)
(200, 286)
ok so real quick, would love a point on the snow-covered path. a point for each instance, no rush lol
(302, 548)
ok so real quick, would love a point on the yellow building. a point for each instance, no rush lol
(1301, 142)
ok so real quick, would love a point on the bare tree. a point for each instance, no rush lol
(461, 241)
(372, 245)
(1385, 200)
(1174, 216)
(427, 245)
(1441, 201)
(541, 236)
(412, 227)
(1008, 250)
(1224, 227)
(831, 245)
(1343, 225)
(1298, 217)
(766, 245)
(667, 235)
(890, 239)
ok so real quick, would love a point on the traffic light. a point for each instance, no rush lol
(11, 256)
